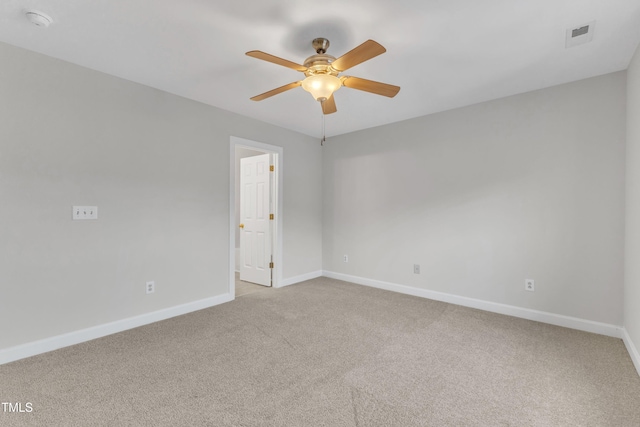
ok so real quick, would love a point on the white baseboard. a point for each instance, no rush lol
(632, 349)
(49, 344)
(301, 278)
(509, 310)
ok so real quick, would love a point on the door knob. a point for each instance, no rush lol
(241, 226)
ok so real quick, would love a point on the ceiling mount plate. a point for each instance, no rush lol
(320, 45)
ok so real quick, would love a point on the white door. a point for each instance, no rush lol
(255, 226)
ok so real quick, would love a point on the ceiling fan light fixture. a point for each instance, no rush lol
(322, 73)
(321, 86)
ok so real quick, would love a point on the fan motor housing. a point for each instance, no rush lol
(320, 64)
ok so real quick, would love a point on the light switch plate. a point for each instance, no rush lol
(85, 212)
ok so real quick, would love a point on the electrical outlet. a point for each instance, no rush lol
(416, 268)
(345, 258)
(151, 287)
(529, 285)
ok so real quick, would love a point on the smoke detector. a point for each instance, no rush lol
(580, 35)
(38, 18)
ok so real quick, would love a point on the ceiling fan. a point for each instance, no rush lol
(322, 73)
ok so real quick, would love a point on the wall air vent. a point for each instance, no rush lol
(579, 31)
(580, 35)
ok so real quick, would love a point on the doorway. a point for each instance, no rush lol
(243, 232)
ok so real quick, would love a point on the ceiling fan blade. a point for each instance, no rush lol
(329, 105)
(276, 60)
(364, 52)
(276, 91)
(370, 86)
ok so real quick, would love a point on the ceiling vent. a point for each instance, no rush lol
(580, 35)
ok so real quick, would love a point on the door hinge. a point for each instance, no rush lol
(270, 216)
(270, 265)
(272, 168)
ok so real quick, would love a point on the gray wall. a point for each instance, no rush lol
(632, 248)
(156, 165)
(484, 197)
(530, 186)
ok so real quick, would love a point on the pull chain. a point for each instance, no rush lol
(324, 138)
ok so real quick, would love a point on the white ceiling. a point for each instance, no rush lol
(443, 53)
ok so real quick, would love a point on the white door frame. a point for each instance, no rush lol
(278, 158)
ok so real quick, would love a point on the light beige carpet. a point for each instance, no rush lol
(246, 288)
(329, 353)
